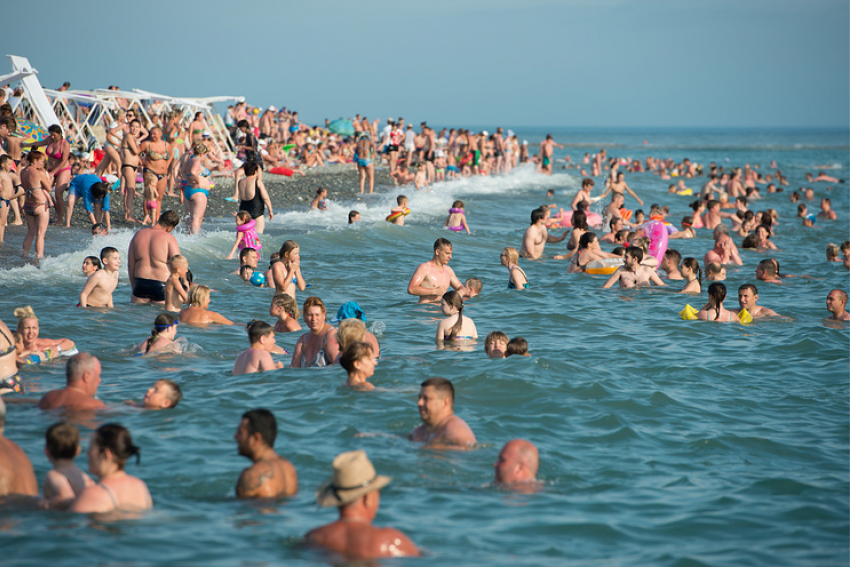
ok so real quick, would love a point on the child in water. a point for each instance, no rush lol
(320, 201)
(398, 212)
(177, 286)
(456, 220)
(91, 264)
(455, 327)
(258, 357)
(150, 203)
(246, 234)
(65, 481)
(420, 180)
(162, 336)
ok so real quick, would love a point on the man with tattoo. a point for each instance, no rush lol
(271, 476)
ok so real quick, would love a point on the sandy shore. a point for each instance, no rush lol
(286, 193)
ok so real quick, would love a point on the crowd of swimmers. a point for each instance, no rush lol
(160, 274)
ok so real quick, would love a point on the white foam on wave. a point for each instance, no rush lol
(429, 206)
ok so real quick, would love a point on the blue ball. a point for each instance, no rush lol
(258, 279)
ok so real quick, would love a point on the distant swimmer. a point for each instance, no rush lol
(433, 278)
(82, 377)
(748, 295)
(441, 428)
(516, 467)
(836, 302)
(822, 176)
(632, 273)
(270, 475)
(826, 211)
(16, 472)
(547, 147)
(355, 489)
(148, 256)
(536, 236)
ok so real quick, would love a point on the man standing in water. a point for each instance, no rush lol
(536, 236)
(147, 260)
(546, 152)
(441, 428)
(82, 377)
(355, 489)
(433, 278)
(271, 476)
(16, 472)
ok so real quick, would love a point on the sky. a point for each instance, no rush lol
(568, 63)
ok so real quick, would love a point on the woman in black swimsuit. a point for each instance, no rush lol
(253, 197)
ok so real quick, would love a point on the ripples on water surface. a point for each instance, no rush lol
(663, 442)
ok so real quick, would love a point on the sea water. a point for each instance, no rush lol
(662, 441)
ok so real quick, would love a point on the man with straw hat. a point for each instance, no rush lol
(355, 489)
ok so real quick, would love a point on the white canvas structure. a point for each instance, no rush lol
(90, 112)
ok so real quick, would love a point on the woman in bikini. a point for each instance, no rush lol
(37, 202)
(455, 327)
(580, 228)
(287, 271)
(588, 251)
(318, 347)
(176, 136)
(286, 310)
(197, 127)
(693, 276)
(130, 151)
(156, 157)
(59, 168)
(111, 156)
(28, 329)
(9, 379)
(713, 310)
(196, 185)
(253, 197)
(516, 276)
(110, 447)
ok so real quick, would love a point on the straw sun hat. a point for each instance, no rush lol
(353, 476)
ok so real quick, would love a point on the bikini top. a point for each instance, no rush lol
(11, 344)
(154, 156)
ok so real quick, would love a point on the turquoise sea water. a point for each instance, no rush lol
(662, 442)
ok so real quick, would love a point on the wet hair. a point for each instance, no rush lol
(618, 251)
(320, 190)
(288, 303)
(442, 385)
(262, 421)
(454, 299)
(175, 394)
(244, 269)
(354, 351)
(517, 345)
(512, 254)
(177, 259)
(801, 208)
(198, 295)
(696, 205)
(457, 204)
(62, 440)
(832, 251)
(442, 243)
(717, 292)
(287, 247)
(244, 253)
(313, 302)
(750, 241)
(711, 203)
(106, 251)
(168, 219)
(749, 286)
(673, 255)
(400, 199)
(257, 330)
(613, 221)
(767, 221)
(586, 240)
(351, 215)
(474, 284)
(713, 268)
(770, 267)
(350, 330)
(161, 323)
(622, 236)
(635, 252)
(537, 214)
(95, 261)
(693, 265)
(493, 337)
(243, 216)
(118, 440)
(579, 220)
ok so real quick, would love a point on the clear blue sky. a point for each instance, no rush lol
(463, 62)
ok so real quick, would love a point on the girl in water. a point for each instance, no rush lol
(456, 220)
(687, 229)
(110, 447)
(286, 310)
(693, 276)
(91, 264)
(162, 336)
(287, 272)
(359, 362)
(516, 276)
(246, 234)
(713, 310)
(455, 327)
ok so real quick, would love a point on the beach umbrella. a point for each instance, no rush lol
(31, 132)
(342, 127)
